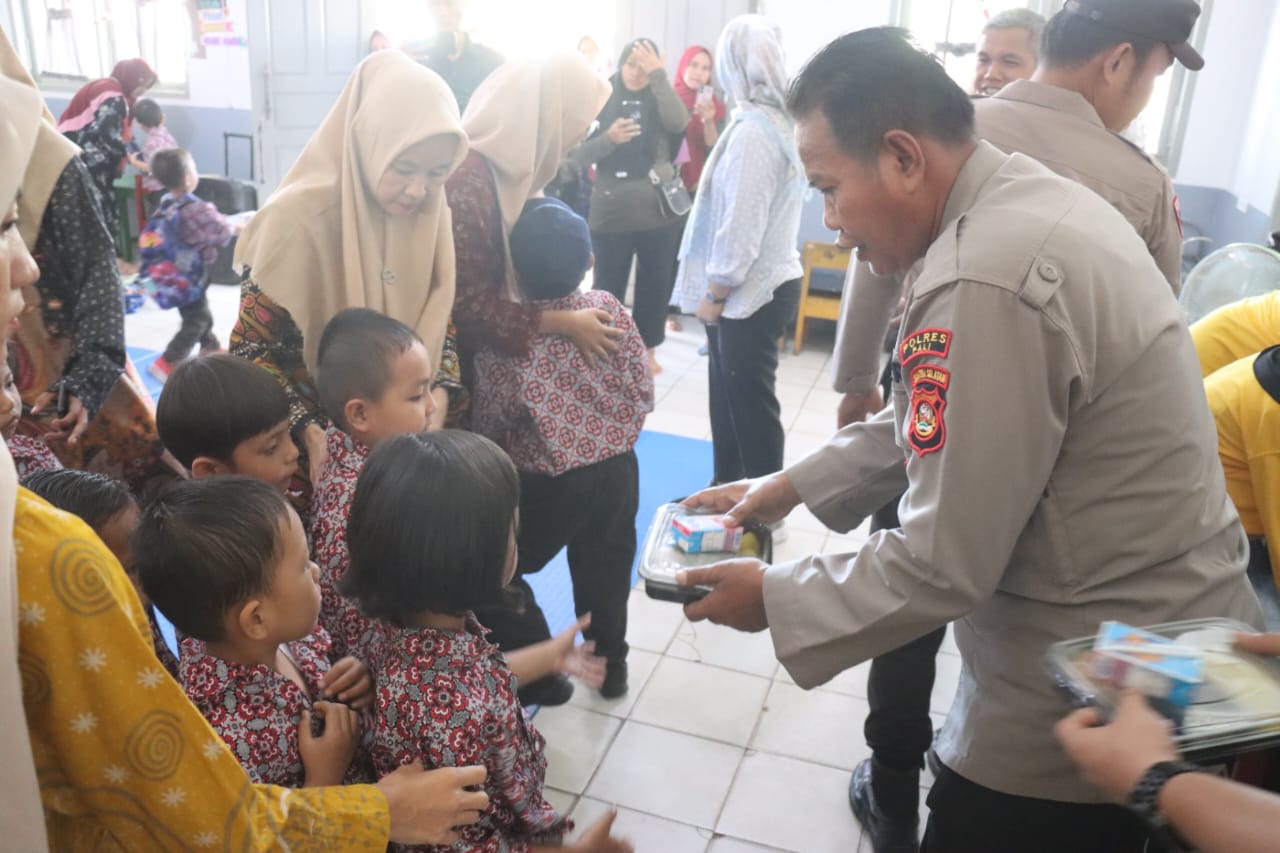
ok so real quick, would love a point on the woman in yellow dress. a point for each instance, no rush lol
(113, 755)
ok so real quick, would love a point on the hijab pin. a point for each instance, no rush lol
(388, 277)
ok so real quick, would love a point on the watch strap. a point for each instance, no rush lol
(1143, 797)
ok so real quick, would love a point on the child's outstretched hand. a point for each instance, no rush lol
(596, 838)
(325, 757)
(349, 681)
(580, 661)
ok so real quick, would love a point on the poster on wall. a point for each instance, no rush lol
(217, 25)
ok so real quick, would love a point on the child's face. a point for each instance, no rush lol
(292, 603)
(191, 179)
(405, 407)
(115, 534)
(10, 405)
(271, 457)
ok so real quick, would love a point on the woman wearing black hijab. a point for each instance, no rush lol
(639, 134)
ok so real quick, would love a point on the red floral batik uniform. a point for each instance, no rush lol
(352, 633)
(448, 699)
(256, 710)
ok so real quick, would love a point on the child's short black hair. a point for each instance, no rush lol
(357, 350)
(430, 526)
(169, 166)
(550, 249)
(148, 113)
(204, 546)
(94, 498)
(213, 403)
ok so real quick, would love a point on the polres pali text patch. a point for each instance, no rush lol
(935, 342)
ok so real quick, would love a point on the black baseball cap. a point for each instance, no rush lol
(1169, 21)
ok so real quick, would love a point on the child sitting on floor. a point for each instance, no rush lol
(225, 559)
(29, 454)
(432, 537)
(570, 427)
(177, 247)
(106, 506)
(223, 415)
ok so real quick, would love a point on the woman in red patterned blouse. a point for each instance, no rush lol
(521, 122)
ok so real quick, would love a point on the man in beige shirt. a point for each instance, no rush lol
(1049, 429)
(1008, 50)
(1066, 116)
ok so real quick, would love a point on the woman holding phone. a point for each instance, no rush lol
(706, 113)
(640, 131)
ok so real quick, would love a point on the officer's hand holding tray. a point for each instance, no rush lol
(682, 537)
(1216, 680)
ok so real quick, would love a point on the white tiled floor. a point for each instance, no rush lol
(718, 750)
(714, 750)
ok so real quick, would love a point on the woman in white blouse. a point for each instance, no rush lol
(739, 267)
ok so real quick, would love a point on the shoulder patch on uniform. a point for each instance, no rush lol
(926, 426)
(925, 342)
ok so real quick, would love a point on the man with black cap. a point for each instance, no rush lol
(1099, 62)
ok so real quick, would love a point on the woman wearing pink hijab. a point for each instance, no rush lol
(100, 120)
(706, 112)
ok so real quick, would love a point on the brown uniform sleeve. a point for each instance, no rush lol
(865, 311)
(981, 418)
(1163, 236)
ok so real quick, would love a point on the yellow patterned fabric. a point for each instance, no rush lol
(125, 762)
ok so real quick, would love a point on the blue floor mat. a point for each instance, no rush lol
(142, 359)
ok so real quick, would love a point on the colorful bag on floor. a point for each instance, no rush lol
(172, 273)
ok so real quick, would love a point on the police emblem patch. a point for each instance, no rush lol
(926, 425)
(935, 342)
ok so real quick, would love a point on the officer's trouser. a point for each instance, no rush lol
(898, 728)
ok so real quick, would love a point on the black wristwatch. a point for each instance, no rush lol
(1142, 799)
(716, 300)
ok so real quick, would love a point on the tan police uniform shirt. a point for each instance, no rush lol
(1061, 469)
(1062, 130)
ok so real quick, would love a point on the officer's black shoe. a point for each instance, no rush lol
(548, 692)
(890, 813)
(615, 680)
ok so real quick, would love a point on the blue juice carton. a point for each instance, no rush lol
(1131, 658)
(701, 534)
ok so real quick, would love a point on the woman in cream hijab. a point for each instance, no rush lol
(359, 221)
(521, 122)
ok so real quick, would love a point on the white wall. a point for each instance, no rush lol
(219, 81)
(1235, 108)
(808, 25)
(675, 24)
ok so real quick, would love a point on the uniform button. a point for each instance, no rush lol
(1049, 272)
(388, 277)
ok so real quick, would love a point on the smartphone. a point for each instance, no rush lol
(633, 108)
(705, 95)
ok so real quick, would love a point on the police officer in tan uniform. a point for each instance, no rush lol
(1099, 63)
(1060, 463)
